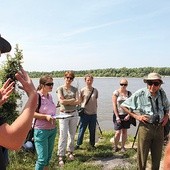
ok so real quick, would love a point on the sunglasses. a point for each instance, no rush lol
(71, 78)
(49, 84)
(150, 83)
(122, 84)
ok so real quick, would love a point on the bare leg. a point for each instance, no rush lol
(124, 138)
(116, 139)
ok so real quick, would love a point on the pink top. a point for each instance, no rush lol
(47, 107)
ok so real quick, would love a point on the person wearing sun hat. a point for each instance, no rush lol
(14, 134)
(153, 76)
(5, 46)
(150, 107)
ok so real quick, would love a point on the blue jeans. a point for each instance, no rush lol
(44, 144)
(90, 121)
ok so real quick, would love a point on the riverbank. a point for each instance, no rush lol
(101, 158)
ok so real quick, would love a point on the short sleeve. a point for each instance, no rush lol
(116, 93)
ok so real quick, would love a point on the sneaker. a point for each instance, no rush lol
(60, 162)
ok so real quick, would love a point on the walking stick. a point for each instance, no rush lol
(99, 127)
(135, 137)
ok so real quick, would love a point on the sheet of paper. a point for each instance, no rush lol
(61, 116)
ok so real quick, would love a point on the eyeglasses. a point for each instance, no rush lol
(71, 78)
(122, 84)
(150, 83)
(49, 84)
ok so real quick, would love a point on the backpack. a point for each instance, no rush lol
(167, 126)
(132, 120)
(29, 142)
(2, 157)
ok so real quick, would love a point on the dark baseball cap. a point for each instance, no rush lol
(5, 46)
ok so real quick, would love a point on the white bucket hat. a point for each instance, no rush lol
(153, 76)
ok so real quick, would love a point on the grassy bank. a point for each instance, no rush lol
(84, 157)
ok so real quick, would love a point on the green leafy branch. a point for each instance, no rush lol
(9, 68)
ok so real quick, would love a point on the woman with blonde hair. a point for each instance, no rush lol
(120, 118)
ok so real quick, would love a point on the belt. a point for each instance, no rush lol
(63, 111)
(153, 124)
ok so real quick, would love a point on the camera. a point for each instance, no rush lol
(155, 119)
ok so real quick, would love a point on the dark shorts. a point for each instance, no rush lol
(122, 125)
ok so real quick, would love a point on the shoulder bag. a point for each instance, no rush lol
(81, 109)
(132, 120)
(29, 141)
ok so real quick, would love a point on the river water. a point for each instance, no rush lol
(106, 86)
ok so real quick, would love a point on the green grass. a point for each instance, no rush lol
(21, 160)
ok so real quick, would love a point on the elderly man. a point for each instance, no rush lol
(150, 106)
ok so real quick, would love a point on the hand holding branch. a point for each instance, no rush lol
(26, 82)
(6, 90)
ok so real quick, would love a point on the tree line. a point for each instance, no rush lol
(109, 72)
(12, 64)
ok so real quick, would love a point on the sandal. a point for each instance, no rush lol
(70, 156)
(123, 149)
(115, 149)
(60, 162)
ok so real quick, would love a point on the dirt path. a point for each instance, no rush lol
(112, 162)
(119, 161)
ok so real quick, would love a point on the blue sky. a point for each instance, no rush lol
(88, 34)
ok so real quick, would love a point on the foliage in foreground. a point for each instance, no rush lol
(84, 157)
(9, 109)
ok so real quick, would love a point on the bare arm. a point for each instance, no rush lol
(114, 102)
(166, 160)
(13, 136)
(43, 116)
(67, 101)
(142, 118)
(73, 101)
(166, 118)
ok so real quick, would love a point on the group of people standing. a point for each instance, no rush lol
(43, 118)
(148, 105)
(45, 123)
